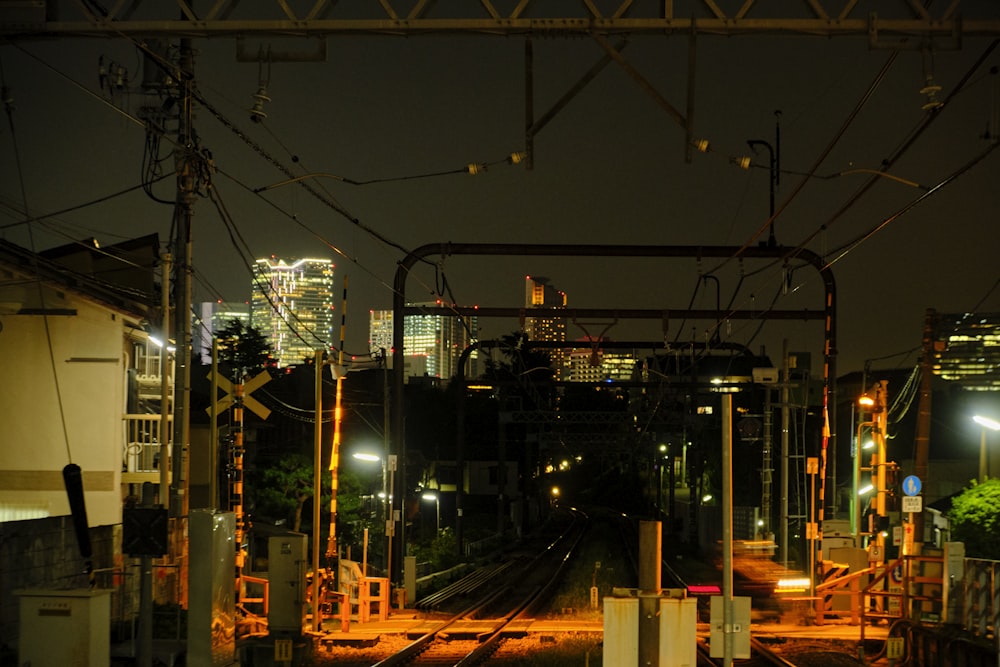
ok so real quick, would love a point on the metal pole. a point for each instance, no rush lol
(390, 526)
(785, 414)
(213, 433)
(164, 383)
(727, 528)
(317, 492)
(386, 490)
(984, 468)
(331, 543)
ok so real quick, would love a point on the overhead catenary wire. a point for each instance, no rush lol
(878, 175)
(236, 239)
(151, 177)
(843, 250)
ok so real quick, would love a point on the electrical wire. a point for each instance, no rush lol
(237, 239)
(851, 245)
(851, 117)
(60, 406)
(77, 207)
(898, 153)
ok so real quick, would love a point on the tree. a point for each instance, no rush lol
(975, 521)
(284, 489)
(242, 348)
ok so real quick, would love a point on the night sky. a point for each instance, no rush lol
(610, 168)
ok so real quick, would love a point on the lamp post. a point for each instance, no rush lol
(437, 508)
(386, 497)
(984, 461)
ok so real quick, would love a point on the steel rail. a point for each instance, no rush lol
(421, 644)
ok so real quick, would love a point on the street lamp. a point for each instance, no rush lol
(984, 462)
(388, 474)
(437, 508)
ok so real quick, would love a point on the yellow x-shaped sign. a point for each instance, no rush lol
(249, 402)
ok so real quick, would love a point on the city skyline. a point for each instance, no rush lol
(292, 305)
(400, 140)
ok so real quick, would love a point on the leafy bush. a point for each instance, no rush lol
(975, 520)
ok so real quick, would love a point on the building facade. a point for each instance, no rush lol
(432, 343)
(968, 350)
(598, 365)
(213, 317)
(292, 306)
(539, 293)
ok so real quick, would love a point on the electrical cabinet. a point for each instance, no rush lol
(70, 628)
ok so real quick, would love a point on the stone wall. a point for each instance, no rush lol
(43, 554)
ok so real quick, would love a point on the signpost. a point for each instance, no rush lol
(913, 503)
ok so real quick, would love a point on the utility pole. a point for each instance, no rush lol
(923, 435)
(184, 165)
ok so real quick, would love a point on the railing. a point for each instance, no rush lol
(142, 438)
(147, 361)
(981, 608)
(483, 546)
(906, 588)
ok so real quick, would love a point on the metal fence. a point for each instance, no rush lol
(143, 436)
(981, 599)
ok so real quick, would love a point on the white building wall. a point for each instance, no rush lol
(88, 353)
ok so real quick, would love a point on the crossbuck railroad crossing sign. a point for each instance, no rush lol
(256, 382)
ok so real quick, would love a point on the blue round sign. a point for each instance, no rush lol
(911, 485)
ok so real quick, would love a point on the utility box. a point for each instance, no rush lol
(678, 632)
(286, 558)
(856, 560)
(212, 584)
(621, 631)
(954, 581)
(70, 628)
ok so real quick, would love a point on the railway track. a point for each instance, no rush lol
(499, 596)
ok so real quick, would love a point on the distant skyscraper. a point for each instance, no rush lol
(538, 293)
(292, 306)
(970, 354)
(600, 365)
(213, 317)
(432, 343)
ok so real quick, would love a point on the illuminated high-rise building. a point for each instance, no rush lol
(213, 317)
(598, 365)
(432, 343)
(292, 306)
(539, 293)
(968, 350)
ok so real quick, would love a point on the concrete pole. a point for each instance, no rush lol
(144, 657)
(650, 564)
(727, 528)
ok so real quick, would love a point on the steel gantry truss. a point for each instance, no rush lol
(899, 23)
